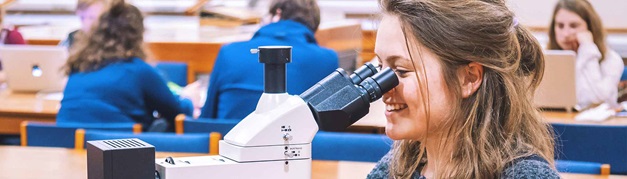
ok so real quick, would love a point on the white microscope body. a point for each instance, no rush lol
(274, 141)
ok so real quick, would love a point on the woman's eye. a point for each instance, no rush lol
(401, 72)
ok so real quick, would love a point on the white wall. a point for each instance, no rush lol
(537, 13)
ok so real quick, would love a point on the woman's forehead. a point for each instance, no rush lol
(390, 39)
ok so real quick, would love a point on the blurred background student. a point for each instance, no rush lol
(576, 26)
(109, 82)
(236, 82)
(88, 11)
(8, 35)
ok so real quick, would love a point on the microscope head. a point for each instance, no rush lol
(274, 59)
(339, 100)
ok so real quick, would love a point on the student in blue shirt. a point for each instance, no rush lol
(109, 82)
(237, 79)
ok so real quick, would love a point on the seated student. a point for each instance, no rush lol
(576, 26)
(236, 82)
(8, 36)
(88, 11)
(463, 107)
(108, 78)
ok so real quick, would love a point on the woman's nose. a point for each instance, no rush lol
(387, 97)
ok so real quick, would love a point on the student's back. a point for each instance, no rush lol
(108, 79)
(124, 91)
(237, 79)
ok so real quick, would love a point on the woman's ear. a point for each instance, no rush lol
(470, 77)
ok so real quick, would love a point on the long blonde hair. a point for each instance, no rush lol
(496, 124)
(117, 36)
(583, 9)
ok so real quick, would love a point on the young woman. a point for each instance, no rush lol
(576, 26)
(109, 81)
(88, 11)
(463, 107)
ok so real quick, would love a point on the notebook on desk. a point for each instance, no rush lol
(30, 68)
(557, 88)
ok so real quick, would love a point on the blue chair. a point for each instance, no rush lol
(592, 143)
(163, 142)
(567, 166)
(350, 146)
(185, 124)
(173, 71)
(62, 135)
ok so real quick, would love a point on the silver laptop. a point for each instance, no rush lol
(557, 88)
(30, 68)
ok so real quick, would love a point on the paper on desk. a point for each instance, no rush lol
(597, 114)
(56, 96)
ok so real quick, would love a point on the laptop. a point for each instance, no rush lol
(557, 89)
(31, 68)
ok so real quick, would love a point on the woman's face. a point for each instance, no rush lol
(90, 15)
(567, 25)
(406, 104)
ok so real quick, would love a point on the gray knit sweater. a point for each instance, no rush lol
(523, 168)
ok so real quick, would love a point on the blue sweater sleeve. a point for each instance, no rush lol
(158, 96)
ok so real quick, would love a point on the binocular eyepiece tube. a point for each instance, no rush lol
(339, 100)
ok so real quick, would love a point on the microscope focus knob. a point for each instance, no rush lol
(287, 137)
(289, 154)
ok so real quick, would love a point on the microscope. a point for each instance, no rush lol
(274, 141)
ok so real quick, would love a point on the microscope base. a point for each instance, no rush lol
(216, 166)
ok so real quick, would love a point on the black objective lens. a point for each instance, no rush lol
(363, 72)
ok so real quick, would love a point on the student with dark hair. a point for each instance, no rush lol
(576, 26)
(463, 108)
(109, 82)
(236, 82)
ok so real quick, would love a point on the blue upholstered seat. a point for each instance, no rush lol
(605, 144)
(568, 166)
(163, 142)
(173, 71)
(62, 135)
(350, 146)
(204, 125)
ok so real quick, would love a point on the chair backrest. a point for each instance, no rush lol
(350, 146)
(569, 166)
(592, 143)
(163, 142)
(173, 71)
(62, 135)
(185, 124)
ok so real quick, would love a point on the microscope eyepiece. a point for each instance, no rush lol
(379, 84)
(363, 72)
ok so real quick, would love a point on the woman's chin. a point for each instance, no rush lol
(391, 133)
